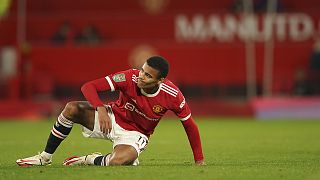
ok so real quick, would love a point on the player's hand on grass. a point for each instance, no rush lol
(104, 120)
(200, 163)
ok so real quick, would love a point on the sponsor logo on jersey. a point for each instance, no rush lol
(157, 108)
(119, 77)
(132, 108)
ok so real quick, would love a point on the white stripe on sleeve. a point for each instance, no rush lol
(183, 119)
(110, 83)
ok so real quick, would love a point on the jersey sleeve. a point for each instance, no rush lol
(181, 108)
(120, 80)
(193, 134)
(90, 91)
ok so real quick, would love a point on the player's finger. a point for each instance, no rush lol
(103, 127)
(109, 127)
(106, 130)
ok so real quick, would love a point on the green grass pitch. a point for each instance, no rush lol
(233, 148)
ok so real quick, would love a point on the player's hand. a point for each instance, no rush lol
(200, 163)
(104, 120)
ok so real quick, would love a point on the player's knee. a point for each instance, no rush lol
(71, 109)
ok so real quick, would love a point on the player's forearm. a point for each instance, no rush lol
(90, 91)
(194, 138)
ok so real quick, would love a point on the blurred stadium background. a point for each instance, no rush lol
(250, 58)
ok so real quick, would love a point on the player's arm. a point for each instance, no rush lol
(90, 91)
(193, 134)
(182, 110)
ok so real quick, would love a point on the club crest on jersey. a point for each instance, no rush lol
(157, 108)
(119, 77)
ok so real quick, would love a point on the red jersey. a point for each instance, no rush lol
(139, 111)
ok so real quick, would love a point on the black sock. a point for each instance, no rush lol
(98, 160)
(102, 160)
(59, 132)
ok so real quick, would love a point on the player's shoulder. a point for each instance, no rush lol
(135, 71)
(130, 73)
(170, 88)
(125, 75)
(170, 84)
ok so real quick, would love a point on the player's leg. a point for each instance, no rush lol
(80, 112)
(127, 145)
(125, 152)
(121, 155)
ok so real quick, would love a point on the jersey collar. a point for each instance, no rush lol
(151, 95)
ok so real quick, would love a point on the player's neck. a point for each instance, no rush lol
(151, 90)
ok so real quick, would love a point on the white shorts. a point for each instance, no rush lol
(118, 135)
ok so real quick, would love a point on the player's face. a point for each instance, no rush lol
(148, 78)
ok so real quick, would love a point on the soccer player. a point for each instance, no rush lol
(145, 96)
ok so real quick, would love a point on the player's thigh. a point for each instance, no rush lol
(123, 155)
